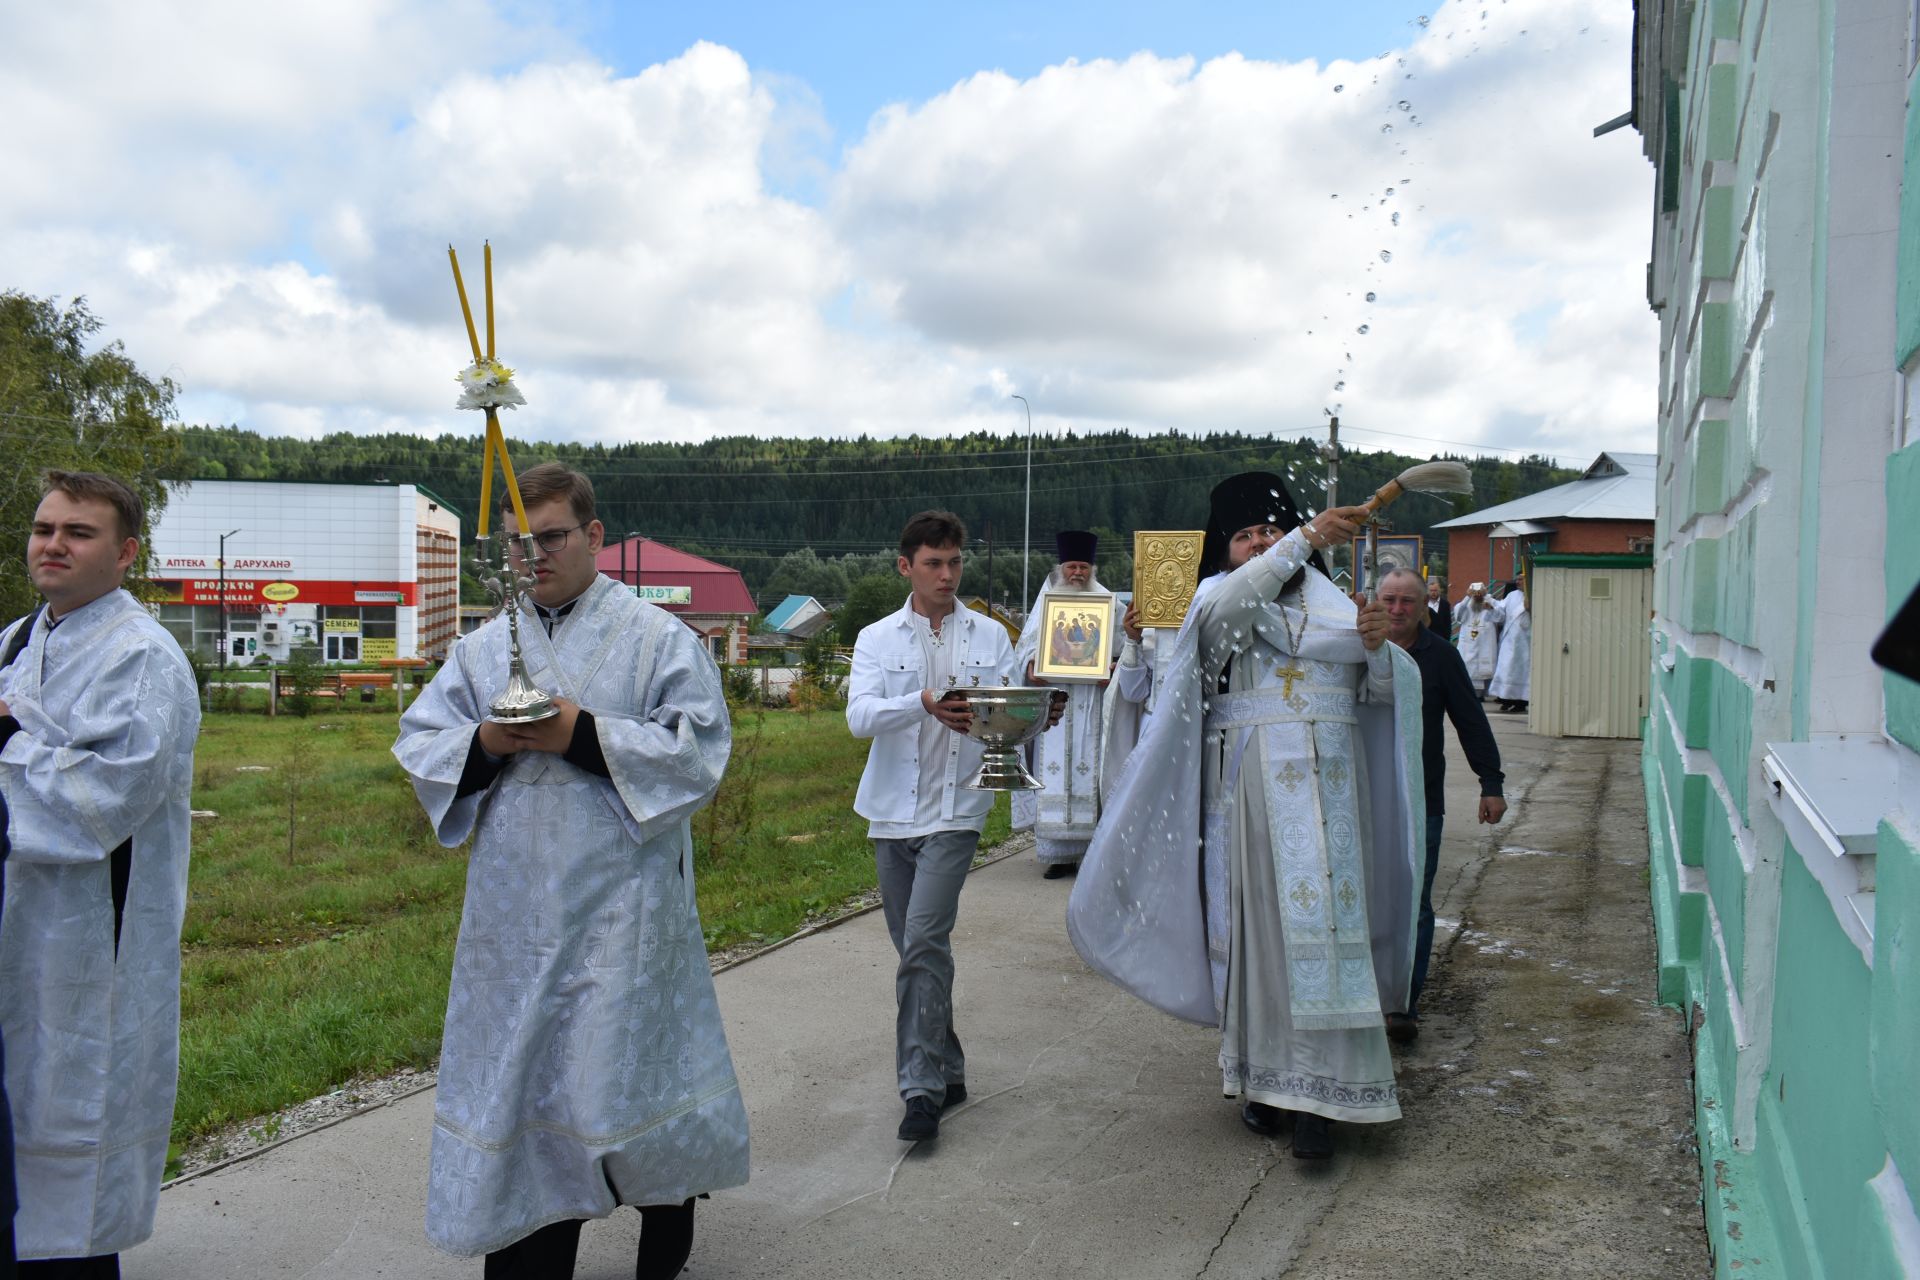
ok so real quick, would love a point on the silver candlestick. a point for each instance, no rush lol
(522, 701)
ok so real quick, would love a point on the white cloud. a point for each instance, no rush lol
(259, 201)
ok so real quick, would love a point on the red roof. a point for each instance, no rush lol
(716, 588)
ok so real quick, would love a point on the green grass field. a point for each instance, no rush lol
(311, 961)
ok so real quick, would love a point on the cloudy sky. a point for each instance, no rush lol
(778, 219)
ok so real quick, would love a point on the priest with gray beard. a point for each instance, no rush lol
(1080, 757)
(1258, 865)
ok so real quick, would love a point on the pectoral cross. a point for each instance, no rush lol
(1288, 674)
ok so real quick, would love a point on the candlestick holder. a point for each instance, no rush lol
(522, 701)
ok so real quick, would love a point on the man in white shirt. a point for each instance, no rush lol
(924, 823)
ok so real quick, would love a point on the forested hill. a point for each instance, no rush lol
(752, 502)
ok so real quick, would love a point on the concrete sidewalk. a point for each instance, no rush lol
(1547, 1129)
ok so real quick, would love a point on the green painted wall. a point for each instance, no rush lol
(1907, 306)
(1894, 1014)
(1818, 1099)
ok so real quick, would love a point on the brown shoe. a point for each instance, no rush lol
(1403, 1028)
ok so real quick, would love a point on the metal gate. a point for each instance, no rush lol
(1591, 645)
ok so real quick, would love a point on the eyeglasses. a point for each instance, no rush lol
(549, 539)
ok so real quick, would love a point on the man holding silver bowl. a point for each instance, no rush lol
(924, 793)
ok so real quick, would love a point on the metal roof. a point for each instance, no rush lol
(1618, 486)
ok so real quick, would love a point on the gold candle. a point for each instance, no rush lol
(466, 311)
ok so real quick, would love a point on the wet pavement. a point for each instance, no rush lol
(1548, 1108)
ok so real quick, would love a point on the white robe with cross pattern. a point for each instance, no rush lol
(584, 1064)
(97, 782)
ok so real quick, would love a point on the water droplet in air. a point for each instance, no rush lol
(1386, 128)
(1339, 386)
(1370, 297)
(1386, 255)
(1389, 190)
(1362, 329)
(1404, 105)
(1423, 20)
(1339, 88)
(1396, 219)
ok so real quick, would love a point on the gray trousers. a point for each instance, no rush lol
(920, 882)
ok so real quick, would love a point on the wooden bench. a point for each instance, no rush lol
(337, 684)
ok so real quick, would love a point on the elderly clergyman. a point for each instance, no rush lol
(98, 717)
(1477, 635)
(584, 1065)
(1079, 757)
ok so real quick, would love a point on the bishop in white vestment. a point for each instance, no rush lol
(1080, 757)
(1258, 865)
(1477, 634)
(98, 717)
(584, 1064)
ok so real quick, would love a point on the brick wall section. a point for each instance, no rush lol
(1467, 548)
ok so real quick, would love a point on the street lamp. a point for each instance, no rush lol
(1026, 536)
(223, 596)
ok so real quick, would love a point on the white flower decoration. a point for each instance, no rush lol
(488, 384)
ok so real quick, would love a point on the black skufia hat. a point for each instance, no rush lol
(1074, 544)
(1239, 502)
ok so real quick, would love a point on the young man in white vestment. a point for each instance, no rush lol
(584, 1064)
(923, 820)
(1079, 758)
(1258, 866)
(1513, 673)
(98, 717)
(1477, 634)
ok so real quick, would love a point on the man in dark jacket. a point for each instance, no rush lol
(1446, 689)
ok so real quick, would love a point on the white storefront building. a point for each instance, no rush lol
(361, 572)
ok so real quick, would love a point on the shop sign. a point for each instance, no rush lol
(279, 566)
(379, 649)
(280, 592)
(379, 597)
(343, 626)
(163, 565)
(663, 594)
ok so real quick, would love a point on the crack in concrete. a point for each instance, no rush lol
(1260, 1179)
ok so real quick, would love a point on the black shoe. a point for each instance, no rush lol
(666, 1238)
(1403, 1028)
(922, 1120)
(956, 1094)
(1058, 870)
(1312, 1137)
(1264, 1120)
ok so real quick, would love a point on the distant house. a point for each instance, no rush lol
(710, 598)
(801, 617)
(1607, 511)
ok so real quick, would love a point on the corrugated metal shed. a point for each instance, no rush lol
(1592, 650)
(1618, 486)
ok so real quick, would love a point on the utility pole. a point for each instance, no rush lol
(1331, 452)
(989, 566)
(223, 596)
(1026, 537)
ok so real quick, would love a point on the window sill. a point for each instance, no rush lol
(1829, 796)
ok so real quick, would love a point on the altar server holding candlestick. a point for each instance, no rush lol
(584, 1064)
